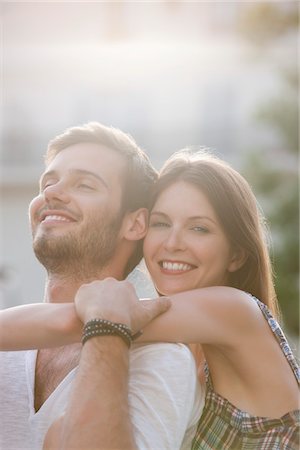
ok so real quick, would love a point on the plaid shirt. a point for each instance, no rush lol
(223, 426)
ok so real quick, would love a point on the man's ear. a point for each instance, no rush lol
(238, 259)
(135, 225)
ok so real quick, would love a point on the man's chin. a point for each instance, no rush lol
(52, 247)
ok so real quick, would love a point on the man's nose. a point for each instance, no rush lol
(57, 192)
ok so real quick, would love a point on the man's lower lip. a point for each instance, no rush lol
(60, 222)
(56, 220)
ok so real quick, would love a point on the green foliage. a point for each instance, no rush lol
(274, 176)
(282, 113)
(277, 191)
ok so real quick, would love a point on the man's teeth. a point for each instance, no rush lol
(176, 266)
(54, 217)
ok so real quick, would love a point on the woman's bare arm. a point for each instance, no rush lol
(39, 325)
(209, 315)
(212, 315)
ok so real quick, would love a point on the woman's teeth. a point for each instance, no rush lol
(176, 266)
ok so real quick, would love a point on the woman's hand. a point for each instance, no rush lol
(117, 301)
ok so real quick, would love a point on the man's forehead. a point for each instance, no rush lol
(88, 159)
(88, 150)
(91, 157)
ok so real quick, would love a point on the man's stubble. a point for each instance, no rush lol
(80, 253)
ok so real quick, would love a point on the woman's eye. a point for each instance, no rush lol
(200, 229)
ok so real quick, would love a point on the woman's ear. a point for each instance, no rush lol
(237, 260)
(136, 224)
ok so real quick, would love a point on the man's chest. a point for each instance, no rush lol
(52, 366)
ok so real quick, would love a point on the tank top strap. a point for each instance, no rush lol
(280, 337)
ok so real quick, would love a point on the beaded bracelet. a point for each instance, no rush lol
(103, 327)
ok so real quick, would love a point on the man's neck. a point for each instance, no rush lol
(62, 288)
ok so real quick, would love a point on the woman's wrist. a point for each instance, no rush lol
(70, 324)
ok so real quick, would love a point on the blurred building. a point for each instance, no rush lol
(171, 74)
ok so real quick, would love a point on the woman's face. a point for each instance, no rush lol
(185, 247)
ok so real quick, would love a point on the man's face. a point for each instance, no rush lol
(75, 219)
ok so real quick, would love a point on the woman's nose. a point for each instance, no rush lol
(174, 241)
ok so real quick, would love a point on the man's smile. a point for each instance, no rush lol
(55, 216)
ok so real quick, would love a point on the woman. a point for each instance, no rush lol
(206, 230)
(206, 250)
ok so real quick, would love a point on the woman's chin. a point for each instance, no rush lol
(165, 291)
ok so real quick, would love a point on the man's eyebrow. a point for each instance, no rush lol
(84, 172)
(90, 174)
(50, 173)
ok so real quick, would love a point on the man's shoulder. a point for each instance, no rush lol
(163, 382)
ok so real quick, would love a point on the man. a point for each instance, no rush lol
(87, 224)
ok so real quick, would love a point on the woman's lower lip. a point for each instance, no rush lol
(173, 272)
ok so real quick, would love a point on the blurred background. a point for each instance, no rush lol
(170, 73)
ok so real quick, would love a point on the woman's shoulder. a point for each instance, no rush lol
(229, 298)
(229, 294)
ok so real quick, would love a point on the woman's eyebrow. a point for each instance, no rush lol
(193, 218)
(189, 219)
(158, 213)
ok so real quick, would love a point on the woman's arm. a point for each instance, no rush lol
(209, 315)
(39, 325)
(212, 315)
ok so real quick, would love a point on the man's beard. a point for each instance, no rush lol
(82, 254)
